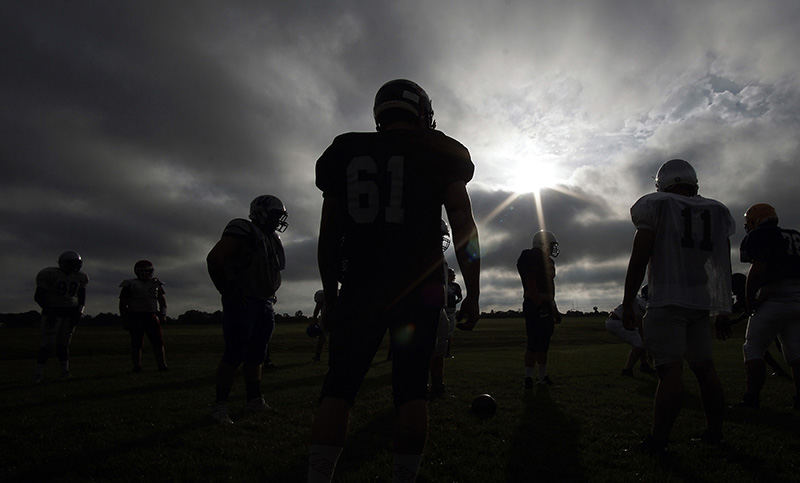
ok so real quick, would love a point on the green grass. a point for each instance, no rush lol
(108, 424)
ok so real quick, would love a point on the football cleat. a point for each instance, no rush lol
(257, 405)
(220, 414)
(545, 381)
(528, 383)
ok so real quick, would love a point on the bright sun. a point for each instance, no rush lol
(529, 176)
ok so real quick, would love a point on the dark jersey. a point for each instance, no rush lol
(534, 265)
(777, 247)
(453, 295)
(391, 186)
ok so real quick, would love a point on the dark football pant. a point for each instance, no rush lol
(247, 326)
(141, 324)
(356, 336)
(539, 325)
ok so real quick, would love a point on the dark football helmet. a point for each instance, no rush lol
(70, 261)
(268, 211)
(546, 241)
(144, 269)
(757, 214)
(404, 95)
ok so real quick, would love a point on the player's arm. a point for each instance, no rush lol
(756, 278)
(124, 297)
(643, 242)
(468, 250)
(39, 296)
(162, 305)
(317, 308)
(331, 229)
(81, 300)
(225, 249)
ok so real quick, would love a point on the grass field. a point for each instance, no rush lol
(109, 424)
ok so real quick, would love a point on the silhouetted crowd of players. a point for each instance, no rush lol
(380, 256)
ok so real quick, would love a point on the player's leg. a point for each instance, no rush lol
(47, 343)
(136, 331)
(544, 333)
(66, 327)
(761, 331)
(698, 352)
(156, 337)
(235, 331)
(667, 402)
(409, 377)
(437, 360)
(664, 330)
(531, 319)
(790, 346)
(353, 340)
(262, 323)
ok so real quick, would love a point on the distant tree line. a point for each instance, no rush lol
(196, 317)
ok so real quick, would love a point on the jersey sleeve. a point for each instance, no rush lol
(44, 279)
(325, 170)
(239, 228)
(84, 279)
(457, 164)
(644, 213)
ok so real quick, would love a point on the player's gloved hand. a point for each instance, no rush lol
(722, 327)
(469, 313)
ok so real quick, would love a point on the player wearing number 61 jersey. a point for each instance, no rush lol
(683, 239)
(383, 195)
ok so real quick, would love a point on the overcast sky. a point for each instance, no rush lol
(139, 129)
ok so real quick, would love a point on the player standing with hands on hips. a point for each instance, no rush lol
(684, 240)
(245, 266)
(383, 195)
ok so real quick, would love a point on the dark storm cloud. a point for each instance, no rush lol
(139, 129)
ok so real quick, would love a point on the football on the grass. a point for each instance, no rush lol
(484, 406)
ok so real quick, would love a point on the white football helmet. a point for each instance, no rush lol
(546, 241)
(268, 211)
(674, 172)
(446, 239)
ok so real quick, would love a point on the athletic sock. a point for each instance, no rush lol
(322, 462)
(406, 467)
(542, 370)
(529, 372)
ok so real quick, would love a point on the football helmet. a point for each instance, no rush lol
(70, 261)
(144, 269)
(406, 96)
(675, 172)
(268, 211)
(546, 241)
(446, 240)
(758, 214)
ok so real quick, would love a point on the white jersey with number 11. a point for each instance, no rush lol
(690, 265)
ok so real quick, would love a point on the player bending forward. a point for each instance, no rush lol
(632, 337)
(61, 293)
(383, 193)
(683, 238)
(772, 295)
